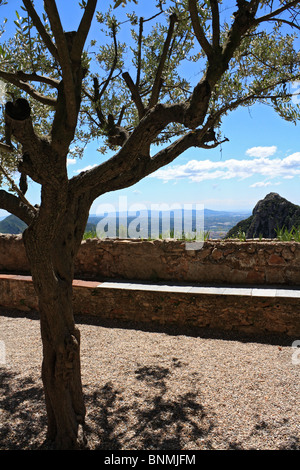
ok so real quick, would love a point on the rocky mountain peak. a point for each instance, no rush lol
(268, 215)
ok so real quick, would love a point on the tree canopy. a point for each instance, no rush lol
(242, 53)
(130, 88)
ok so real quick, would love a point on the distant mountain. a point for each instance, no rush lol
(216, 223)
(12, 224)
(212, 213)
(268, 215)
(207, 213)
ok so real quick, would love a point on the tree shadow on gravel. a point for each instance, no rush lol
(268, 428)
(143, 419)
(23, 416)
(153, 420)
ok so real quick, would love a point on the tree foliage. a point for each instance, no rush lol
(127, 77)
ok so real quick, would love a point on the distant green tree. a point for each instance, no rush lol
(131, 95)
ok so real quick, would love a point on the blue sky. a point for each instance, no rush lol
(261, 156)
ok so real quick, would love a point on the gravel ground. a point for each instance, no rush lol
(159, 389)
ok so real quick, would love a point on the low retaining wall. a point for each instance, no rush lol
(218, 262)
(266, 311)
(250, 263)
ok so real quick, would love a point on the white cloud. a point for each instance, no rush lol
(261, 152)
(89, 167)
(71, 161)
(197, 171)
(260, 184)
(263, 184)
(292, 160)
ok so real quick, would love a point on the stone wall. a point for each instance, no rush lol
(263, 314)
(218, 262)
(13, 258)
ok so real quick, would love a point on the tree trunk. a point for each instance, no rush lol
(52, 274)
(61, 374)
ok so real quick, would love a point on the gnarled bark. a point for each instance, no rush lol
(61, 375)
(52, 272)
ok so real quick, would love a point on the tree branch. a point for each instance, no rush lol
(96, 101)
(121, 115)
(215, 24)
(41, 29)
(106, 82)
(157, 81)
(290, 23)
(16, 189)
(168, 154)
(64, 61)
(132, 162)
(19, 124)
(198, 30)
(34, 77)
(139, 61)
(134, 157)
(218, 61)
(213, 118)
(14, 205)
(215, 144)
(83, 30)
(14, 79)
(135, 149)
(134, 94)
(144, 166)
(254, 4)
(276, 12)
(6, 147)
(244, 20)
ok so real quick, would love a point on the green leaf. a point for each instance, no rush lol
(123, 3)
(118, 3)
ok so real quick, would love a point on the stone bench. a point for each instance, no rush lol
(253, 310)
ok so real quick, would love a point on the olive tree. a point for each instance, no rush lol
(132, 96)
